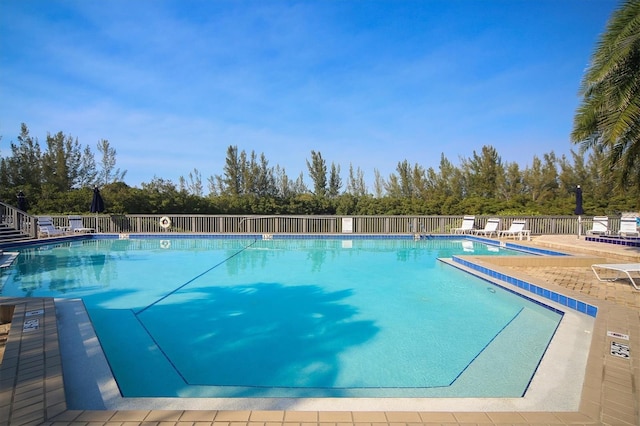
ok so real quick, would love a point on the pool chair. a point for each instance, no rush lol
(600, 226)
(76, 225)
(467, 226)
(490, 228)
(628, 226)
(47, 229)
(516, 230)
(619, 268)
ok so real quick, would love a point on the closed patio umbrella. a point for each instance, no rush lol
(97, 205)
(579, 210)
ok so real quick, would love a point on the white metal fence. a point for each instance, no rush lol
(285, 224)
(296, 224)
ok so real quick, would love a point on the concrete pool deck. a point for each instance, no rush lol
(32, 389)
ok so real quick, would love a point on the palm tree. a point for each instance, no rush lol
(608, 120)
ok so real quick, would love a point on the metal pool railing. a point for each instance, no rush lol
(293, 224)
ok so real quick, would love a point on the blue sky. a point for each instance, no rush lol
(171, 84)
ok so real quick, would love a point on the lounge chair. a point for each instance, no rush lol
(628, 226)
(490, 228)
(46, 227)
(600, 226)
(516, 230)
(620, 268)
(76, 225)
(467, 225)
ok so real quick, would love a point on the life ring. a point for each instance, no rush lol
(165, 244)
(165, 222)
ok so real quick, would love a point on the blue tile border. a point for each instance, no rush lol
(516, 246)
(628, 242)
(559, 298)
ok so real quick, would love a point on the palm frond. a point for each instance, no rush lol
(608, 118)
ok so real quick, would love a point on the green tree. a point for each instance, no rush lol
(445, 188)
(163, 196)
(401, 184)
(60, 162)
(335, 182)
(87, 173)
(600, 185)
(355, 183)
(484, 173)
(248, 173)
(230, 183)
(299, 187)
(513, 186)
(378, 184)
(192, 184)
(284, 186)
(23, 169)
(108, 172)
(609, 117)
(265, 180)
(541, 179)
(318, 173)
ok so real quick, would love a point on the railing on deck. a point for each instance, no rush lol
(179, 223)
(18, 220)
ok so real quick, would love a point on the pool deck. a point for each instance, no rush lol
(32, 388)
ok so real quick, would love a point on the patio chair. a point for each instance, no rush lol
(620, 268)
(600, 226)
(516, 230)
(490, 228)
(467, 225)
(46, 227)
(628, 226)
(76, 225)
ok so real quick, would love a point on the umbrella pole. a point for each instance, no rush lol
(579, 225)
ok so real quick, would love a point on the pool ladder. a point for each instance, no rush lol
(417, 235)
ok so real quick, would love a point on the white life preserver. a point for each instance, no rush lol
(165, 244)
(165, 222)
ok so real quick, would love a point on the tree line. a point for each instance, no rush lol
(59, 178)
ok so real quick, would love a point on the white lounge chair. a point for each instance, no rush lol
(628, 226)
(490, 228)
(467, 225)
(76, 225)
(620, 268)
(600, 226)
(46, 227)
(516, 230)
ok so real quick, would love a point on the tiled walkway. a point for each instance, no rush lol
(32, 392)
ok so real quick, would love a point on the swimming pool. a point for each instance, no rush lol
(294, 318)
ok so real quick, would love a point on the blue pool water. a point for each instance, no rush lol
(294, 318)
